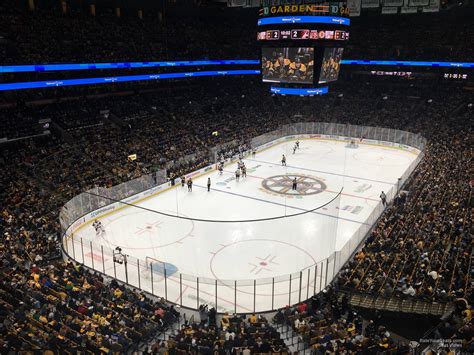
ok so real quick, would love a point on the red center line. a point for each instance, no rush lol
(326, 190)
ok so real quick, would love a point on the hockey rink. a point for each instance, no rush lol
(222, 234)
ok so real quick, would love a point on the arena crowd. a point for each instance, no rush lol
(420, 249)
(431, 220)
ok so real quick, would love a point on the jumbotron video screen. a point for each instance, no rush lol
(331, 65)
(288, 65)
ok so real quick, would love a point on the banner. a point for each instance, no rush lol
(413, 3)
(354, 7)
(236, 3)
(432, 7)
(408, 10)
(370, 4)
(389, 10)
(243, 3)
(392, 2)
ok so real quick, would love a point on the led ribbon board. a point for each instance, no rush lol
(282, 20)
(119, 79)
(121, 65)
(408, 63)
(106, 80)
(299, 91)
(128, 65)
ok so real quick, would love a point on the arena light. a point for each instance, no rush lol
(121, 65)
(118, 79)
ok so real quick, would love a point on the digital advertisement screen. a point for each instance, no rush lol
(288, 65)
(331, 65)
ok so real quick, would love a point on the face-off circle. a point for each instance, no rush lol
(258, 258)
(283, 185)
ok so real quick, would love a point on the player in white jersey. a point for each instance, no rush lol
(99, 229)
(297, 144)
(237, 175)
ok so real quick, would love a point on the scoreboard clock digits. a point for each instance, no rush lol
(273, 35)
(300, 34)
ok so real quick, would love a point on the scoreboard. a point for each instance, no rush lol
(303, 34)
(302, 44)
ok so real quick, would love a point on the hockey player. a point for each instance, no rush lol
(208, 184)
(183, 180)
(297, 144)
(98, 227)
(190, 185)
(244, 171)
(221, 168)
(295, 184)
(294, 149)
(237, 175)
(283, 160)
(383, 197)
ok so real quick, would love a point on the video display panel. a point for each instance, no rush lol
(331, 65)
(288, 65)
(297, 34)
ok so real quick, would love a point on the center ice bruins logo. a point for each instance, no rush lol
(283, 185)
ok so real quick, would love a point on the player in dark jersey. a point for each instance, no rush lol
(243, 168)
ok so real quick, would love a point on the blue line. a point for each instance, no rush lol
(280, 204)
(324, 172)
